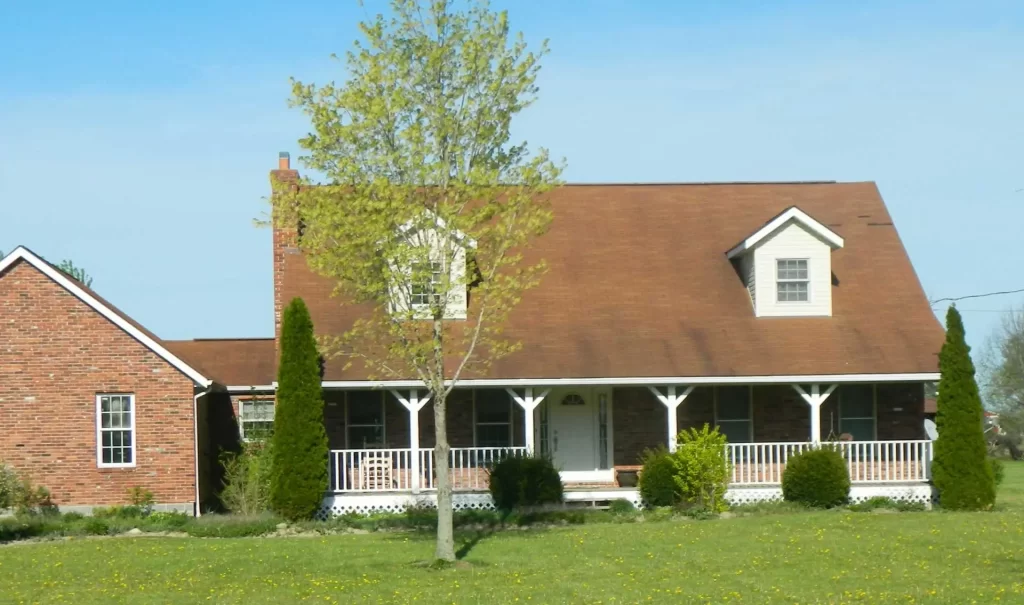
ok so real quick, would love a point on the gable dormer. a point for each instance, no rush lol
(437, 269)
(787, 266)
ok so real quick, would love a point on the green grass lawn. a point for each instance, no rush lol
(821, 557)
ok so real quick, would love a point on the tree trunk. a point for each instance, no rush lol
(445, 550)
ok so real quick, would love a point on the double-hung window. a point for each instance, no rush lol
(732, 413)
(256, 419)
(365, 419)
(857, 411)
(493, 418)
(792, 281)
(115, 430)
(426, 284)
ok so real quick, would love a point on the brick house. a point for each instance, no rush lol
(91, 403)
(783, 313)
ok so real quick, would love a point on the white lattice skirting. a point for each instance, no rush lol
(901, 492)
(364, 504)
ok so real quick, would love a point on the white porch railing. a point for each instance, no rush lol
(867, 461)
(392, 469)
(753, 464)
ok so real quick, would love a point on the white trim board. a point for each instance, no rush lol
(23, 253)
(796, 215)
(645, 381)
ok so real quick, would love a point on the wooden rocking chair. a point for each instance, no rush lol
(375, 473)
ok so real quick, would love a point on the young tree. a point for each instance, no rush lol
(429, 207)
(298, 478)
(961, 470)
(76, 272)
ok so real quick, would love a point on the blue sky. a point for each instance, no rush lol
(136, 140)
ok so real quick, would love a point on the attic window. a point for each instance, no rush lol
(792, 280)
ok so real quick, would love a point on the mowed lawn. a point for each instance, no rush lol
(822, 557)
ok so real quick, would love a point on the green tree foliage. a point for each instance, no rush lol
(76, 272)
(701, 468)
(817, 478)
(1002, 383)
(299, 444)
(519, 481)
(961, 471)
(428, 206)
(658, 478)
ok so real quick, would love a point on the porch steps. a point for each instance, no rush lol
(596, 495)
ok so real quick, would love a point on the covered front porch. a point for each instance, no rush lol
(382, 440)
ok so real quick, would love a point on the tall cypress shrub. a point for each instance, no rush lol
(961, 471)
(299, 476)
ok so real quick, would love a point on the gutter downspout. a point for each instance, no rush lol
(195, 442)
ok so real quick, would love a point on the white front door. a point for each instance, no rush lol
(572, 415)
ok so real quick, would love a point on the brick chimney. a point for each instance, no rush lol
(285, 237)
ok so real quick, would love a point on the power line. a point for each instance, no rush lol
(987, 310)
(987, 294)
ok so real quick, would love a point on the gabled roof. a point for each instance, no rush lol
(233, 362)
(638, 286)
(791, 214)
(104, 308)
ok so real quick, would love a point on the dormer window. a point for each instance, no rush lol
(786, 266)
(435, 273)
(792, 280)
(427, 290)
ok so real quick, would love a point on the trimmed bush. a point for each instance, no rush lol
(817, 478)
(519, 481)
(701, 469)
(298, 478)
(961, 470)
(657, 478)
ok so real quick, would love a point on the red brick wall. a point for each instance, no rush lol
(57, 353)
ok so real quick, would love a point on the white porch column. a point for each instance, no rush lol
(413, 403)
(671, 400)
(529, 403)
(814, 399)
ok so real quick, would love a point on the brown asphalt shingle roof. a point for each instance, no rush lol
(639, 286)
(231, 361)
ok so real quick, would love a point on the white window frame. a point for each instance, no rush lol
(241, 413)
(383, 422)
(423, 300)
(510, 423)
(100, 430)
(874, 411)
(750, 411)
(806, 281)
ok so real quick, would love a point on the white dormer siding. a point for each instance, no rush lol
(457, 296)
(792, 242)
(802, 247)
